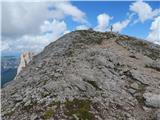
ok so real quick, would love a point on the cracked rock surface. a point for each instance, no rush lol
(87, 75)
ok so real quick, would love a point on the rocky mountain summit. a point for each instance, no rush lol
(88, 75)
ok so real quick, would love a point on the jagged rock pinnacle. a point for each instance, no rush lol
(26, 57)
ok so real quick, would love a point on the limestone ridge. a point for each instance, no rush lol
(88, 75)
(25, 58)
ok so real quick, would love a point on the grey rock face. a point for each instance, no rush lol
(154, 65)
(17, 97)
(87, 75)
(34, 117)
(134, 86)
(152, 100)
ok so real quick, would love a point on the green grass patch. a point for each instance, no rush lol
(54, 103)
(81, 108)
(48, 113)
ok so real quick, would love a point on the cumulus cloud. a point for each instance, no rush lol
(33, 25)
(21, 18)
(119, 26)
(54, 29)
(143, 10)
(82, 27)
(35, 42)
(154, 35)
(103, 22)
(49, 26)
(69, 9)
(4, 46)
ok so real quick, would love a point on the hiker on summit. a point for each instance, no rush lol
(111, 28)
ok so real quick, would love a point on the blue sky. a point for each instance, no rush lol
(28, 26)
(119, 11)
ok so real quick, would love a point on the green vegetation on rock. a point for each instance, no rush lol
(48, 113)
(80, 108)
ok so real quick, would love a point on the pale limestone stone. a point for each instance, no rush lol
(26, 57)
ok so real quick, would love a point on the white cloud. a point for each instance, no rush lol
(143, 10)
(154, 35)
(103, 22)
(50, 26)
(67, 31)
(54, 29)
(26, 26)
(4, 46)
(35, 43)
(82, 27)
(25, 43)
(21, 18)
(69, 9)
(119, 26)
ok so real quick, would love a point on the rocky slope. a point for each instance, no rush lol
(88, 75)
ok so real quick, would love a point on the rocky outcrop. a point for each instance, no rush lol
(26, 57)
(154, 65)
(87, 75)
(152, 100)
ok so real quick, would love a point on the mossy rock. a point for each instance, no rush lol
(94, 84)
(54, 103)
(69, 52)
(141, 88)
(140, 99)
(9, 113)
(30, 107)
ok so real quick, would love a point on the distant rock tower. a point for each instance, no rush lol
(26, 57)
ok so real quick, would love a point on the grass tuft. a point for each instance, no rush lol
(80, 108)
(48, 114)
